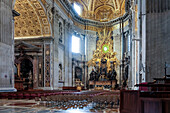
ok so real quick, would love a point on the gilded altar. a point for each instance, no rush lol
(104, 62)
(104, 51)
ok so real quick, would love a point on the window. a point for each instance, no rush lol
(75, 44)
(77, 8)
(85, 45)
(60, 32)
(128, 42)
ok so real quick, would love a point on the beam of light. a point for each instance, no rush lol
(77, 8)
(75, 44)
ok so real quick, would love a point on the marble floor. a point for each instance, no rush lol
(32, 106)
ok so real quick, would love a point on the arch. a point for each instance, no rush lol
(20, 59)
(33, 21)
(103, 6)
(45, 10)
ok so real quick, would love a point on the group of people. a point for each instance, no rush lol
(102, 75)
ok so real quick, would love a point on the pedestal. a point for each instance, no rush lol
(60, 85)
(102, 84)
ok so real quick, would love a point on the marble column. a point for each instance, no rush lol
(130, 53)
(143, 19)
(68, 54)
(73, 74)
(48, 65)
(55, 45)
(139, 41)
(6, 47)
(133, 80)
(35, 72)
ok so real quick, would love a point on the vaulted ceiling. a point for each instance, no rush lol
(101, 10)
(33, 21)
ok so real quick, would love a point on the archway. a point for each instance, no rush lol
(78, 76)
(33, 23)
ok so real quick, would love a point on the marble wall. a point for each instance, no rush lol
(79, 59)
(157, 38)
(6, 46)
(118, 48)
(62, 50)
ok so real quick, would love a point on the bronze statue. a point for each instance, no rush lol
(112, 74)
(103, 68)
(97, 74)
(92, 75)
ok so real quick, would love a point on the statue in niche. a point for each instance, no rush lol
(60, 32)
(60, 72)
(125, 77)
(126, 72)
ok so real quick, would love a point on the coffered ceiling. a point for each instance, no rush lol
(101, 10)
(33, 21)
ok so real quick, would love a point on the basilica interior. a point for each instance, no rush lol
(85, 56)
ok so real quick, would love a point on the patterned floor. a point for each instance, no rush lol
(30, 106)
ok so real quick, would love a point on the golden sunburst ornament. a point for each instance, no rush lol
(104, 50)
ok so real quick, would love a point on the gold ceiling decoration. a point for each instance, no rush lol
(101, 10)
(33, 21)
(104, 50)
